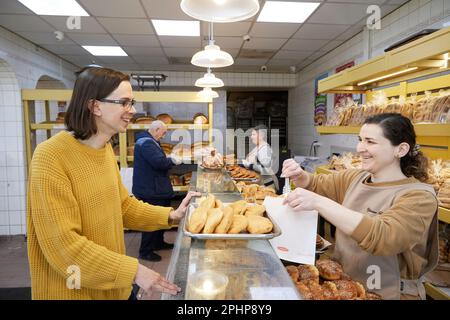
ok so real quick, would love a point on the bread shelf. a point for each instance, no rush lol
(173, 126)
(444, 215)
(180, 188)
(422, 130)
(435, 292)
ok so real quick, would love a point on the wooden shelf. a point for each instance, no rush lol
(47, 126)
(427, 54)
(435, 292)
(180, 188)
(444, 215)
(422, 130)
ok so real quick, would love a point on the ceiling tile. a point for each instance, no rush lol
(165, 9)
(88, 25)
(80, 60)
(126, 26)
(43, 38)
(114, 8)
(86, 39)
(143, 51)
(320, 31)
(69, 49)
(304, 44)
(181, 52)
(151, 60)
(174, 42)
(137, 40)
(292, 55)
(124, 67)
(24, 23)
(368, 2)
(264, 43)
(386, 9)
(226, 42)
(273, 30)
(397, 2)
(283, 62)
(331, 45)
(14, 7)
(339, 13)
(116, 60)
(250, 62)
(352, 31)
(233, 29)
(316, 55)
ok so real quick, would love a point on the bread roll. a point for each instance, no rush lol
(293, 272)
(239, 224)
(259, 225)
(226, 222)
(144, 120)
(308, 273)
(214, 217)
(208, 202)
(347, 290)
(197, 220)
(329, 269)
(239, 206)
(164, 117)
(200, 118)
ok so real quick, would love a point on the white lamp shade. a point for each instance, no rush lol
(209, 80)
(220, 10)
(212, 57)
(207, 93)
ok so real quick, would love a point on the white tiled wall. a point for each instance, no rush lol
(410, 18)
(22, 64)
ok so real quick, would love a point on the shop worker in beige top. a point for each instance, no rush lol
(386, 218)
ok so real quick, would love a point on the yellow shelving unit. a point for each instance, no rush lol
(29, 96)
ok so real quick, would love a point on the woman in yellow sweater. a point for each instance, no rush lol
(77, 206)
(386, 219)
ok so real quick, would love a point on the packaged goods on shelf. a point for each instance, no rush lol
(200, 118)
(345, 161)
(164, 117)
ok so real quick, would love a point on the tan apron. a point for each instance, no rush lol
(381, 274)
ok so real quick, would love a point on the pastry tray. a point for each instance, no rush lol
(276, 231)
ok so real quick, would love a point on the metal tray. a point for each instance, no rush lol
(276, 231)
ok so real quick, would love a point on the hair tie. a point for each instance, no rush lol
(415, 150)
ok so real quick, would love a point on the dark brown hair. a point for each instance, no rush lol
(397, 129)
(93, 82)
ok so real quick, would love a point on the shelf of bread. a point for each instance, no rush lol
(444, 215)
(173, 126)
(435, 292)
(180, 188)
(47, 126)
(424, 56)
(423, 129)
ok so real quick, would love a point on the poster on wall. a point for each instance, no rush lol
(320, 103)
(339, 98)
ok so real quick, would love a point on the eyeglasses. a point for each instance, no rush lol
(127, 104)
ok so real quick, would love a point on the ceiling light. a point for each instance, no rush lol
(220, 10)
(212, 57)
(105, 51)
(207, 93)
(209, 80)
(55, 7)
(177, 28)
(282, 11)
(388, 76)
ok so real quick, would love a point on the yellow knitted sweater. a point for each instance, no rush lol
(77, 208)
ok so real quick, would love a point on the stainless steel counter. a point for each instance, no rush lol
(253, 269)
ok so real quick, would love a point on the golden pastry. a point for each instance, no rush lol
(360, 289)
(197, 220)
(259, 225)
(329, 269)
(330, 291)
(209, 202)
(218, 204)
(308, 272)
(373, 296)
(304, 291)
(239, 224)
(256, 210)
(239, 206)
(226, 222)
(293, 272)
(347, 290)
(214, 217)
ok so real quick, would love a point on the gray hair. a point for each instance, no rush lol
(157, 124)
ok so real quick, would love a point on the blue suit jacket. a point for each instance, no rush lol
(151, 165)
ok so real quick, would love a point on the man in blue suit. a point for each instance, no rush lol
(151, 183)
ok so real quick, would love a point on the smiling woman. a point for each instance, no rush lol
(386, 218)
(78, 207)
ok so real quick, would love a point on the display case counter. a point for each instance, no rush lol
(251, 268)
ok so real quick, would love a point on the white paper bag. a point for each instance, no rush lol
(297, 242)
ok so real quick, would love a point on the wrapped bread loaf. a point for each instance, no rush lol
(200, 118)
(164, 117)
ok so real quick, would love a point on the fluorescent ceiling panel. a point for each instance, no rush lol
(282, 11)
(55, 7)
(177, 28)
(111, 51)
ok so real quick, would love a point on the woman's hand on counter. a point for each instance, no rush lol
(292, 170)
(179, 213)
(151, 281)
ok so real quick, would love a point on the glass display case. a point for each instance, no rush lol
(226, 269)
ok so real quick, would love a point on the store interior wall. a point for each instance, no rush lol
(410, 18)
